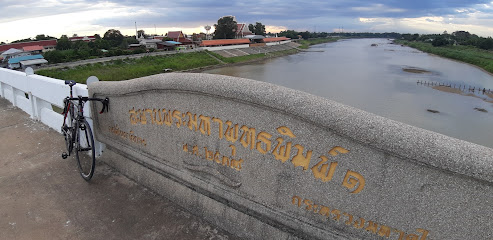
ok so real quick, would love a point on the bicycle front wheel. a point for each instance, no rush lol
(85, 152)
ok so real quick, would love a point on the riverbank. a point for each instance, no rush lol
(129, 68)
(465, 54)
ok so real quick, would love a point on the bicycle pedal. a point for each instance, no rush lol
(64, 155)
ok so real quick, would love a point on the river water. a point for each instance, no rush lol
(372, 78)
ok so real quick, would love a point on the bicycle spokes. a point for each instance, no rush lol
(84, 150)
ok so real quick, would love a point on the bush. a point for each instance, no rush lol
(439, 41)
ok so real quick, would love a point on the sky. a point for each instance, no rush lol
(21, 19)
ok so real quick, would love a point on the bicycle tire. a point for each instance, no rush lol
(85, 162)
(68, 130)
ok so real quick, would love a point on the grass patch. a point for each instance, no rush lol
(132, 68)
(467, 54)
(124, 69)
(305, 44)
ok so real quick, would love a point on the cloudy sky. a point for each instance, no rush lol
(28, 18)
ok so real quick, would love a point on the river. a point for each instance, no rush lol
(372, 78)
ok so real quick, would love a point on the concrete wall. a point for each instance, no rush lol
(278, 43)
(267, 162)
(226, 47)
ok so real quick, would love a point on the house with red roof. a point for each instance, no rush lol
(47, 45)
(242, 30)
(178, 36)
(33, 49)
(84, 38)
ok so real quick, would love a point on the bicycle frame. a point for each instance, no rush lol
(78, 134)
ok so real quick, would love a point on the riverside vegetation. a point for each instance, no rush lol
(118, 70)
(468, 54)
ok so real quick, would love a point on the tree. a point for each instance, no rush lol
(439, 41)
(486, 43)
(225, 28)
(257, 29)
(115, 37)
(289, 34)
(43, 37)
(141, 33)
(63, 43)
(305, 35)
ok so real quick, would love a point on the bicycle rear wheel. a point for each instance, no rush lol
(84, 150)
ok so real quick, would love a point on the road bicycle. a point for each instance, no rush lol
(77, 131)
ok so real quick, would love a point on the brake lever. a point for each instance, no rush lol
(106, 105)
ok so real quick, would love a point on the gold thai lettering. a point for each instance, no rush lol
(384, 231)
(309, 204)
(263, 137)
(127, 135)
(192, 121)
(225, 161)
(166, 117)
(324, 211)
(233, 150)
(195, 150)
(157, 118)
(296, 200)
(231, 133)
(424, 232)
(286, 132)
(412, 237)
(220, 122)
(301, 161)
(133, 116)
(353, 179)
(209, 155)
(263, 142)
(337, 214)
(282, 153)
(322, 170)
(350, 218)
(205, 125)
(316, 208)
(216, 156)
(147, 110)
(372, 227)
(141, 116)
(248, 137)
(217, 159)
(336, 150)
(359, 223)
(177, 115)
(401, 234)
(236, 164)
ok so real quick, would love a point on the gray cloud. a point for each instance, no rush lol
(297, 15)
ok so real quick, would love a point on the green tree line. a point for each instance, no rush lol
(113, 43)
(463, 38)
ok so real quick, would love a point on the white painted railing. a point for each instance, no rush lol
(36, 95)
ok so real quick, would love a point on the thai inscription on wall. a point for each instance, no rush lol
(277, 145)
